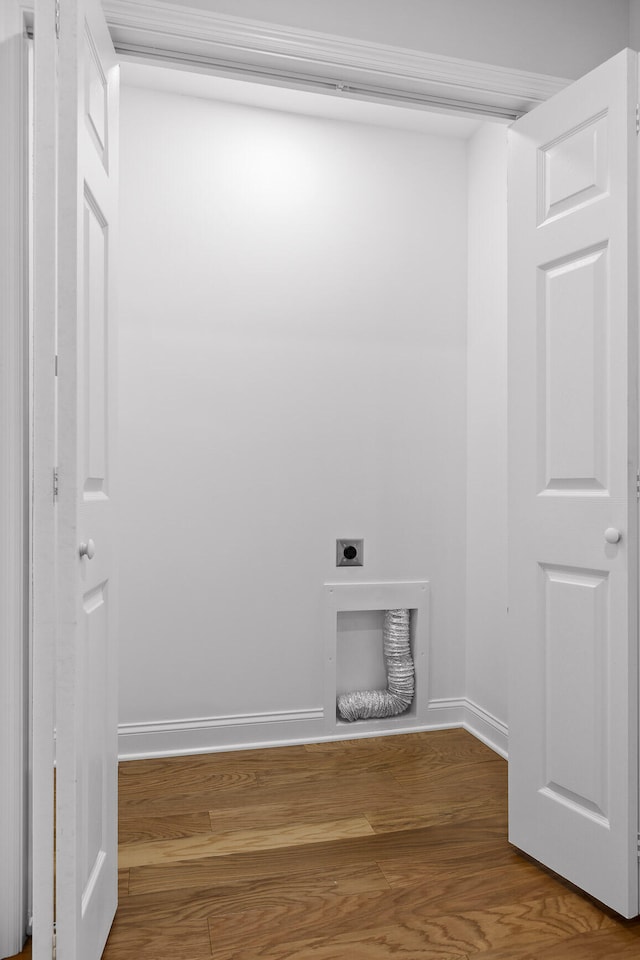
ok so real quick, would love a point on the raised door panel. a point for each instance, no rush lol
(96, 97)
(94, 842)
(575, 642)
(573, 169)
(573, 396)
(95, 398)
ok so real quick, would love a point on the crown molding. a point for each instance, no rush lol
(161, 30)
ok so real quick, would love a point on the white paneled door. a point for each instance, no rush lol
(573, 432)
(85, 683)
(86, 702)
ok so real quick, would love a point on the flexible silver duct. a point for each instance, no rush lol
(370, 704)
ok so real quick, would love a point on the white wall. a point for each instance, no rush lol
(292, 370)
(634, 24)
(563, 38)
(486, 616)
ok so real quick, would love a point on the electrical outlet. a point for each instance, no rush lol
(349, 553)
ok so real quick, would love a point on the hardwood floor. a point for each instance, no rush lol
(391, 847)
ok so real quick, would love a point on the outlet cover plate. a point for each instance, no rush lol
(349, 553)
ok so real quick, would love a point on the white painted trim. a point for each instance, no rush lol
(377, 595)
(158, 29)
(446, 712)
(43, 557)
(211, 734)
(487, 728)
(14, 485)
(169, 738)
(208, 723)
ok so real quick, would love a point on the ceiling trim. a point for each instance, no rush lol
(203, 39)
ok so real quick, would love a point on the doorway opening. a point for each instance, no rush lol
(307, 285)
(236, 377)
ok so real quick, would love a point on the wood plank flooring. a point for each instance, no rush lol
(392, 847)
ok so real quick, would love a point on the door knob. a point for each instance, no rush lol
(612, 535)
(88, 549)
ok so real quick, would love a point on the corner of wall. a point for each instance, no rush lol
(487, 728)
(486, 567)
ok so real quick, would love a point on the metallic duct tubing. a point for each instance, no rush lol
(370, 704)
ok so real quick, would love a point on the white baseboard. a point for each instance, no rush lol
(487, 728)
(446, 712)
(168, 738)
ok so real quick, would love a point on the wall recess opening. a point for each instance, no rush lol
(392, 692)
(349, 553)
(354, 637)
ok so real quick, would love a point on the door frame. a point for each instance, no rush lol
(14, 479)
(204, 41)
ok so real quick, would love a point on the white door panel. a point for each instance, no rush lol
(86, 703)
(572, 460)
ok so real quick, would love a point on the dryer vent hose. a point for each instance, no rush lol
(371, 704)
